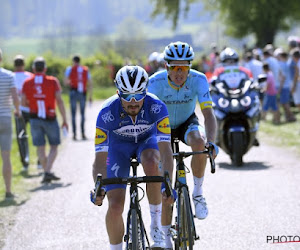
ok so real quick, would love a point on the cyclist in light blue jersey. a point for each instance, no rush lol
(180, 87)
(133, 123)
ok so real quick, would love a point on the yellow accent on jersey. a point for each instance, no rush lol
(100, 136)
(205, 105)
(181, 173)
(164, 126)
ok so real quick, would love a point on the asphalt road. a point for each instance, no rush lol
(246, 205)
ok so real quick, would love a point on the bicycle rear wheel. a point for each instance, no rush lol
(186, 227)
(22, 140)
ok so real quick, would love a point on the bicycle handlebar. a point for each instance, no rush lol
(181, 155)
(143, 179)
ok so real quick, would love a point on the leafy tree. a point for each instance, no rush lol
(263, 18)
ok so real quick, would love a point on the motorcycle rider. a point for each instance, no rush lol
(230, 71)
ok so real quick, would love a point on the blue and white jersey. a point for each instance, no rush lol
(181, 102)
(114, 124)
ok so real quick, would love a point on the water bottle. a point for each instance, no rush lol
(65, 131)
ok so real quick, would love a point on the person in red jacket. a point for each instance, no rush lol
(78, 78)
(41, 93)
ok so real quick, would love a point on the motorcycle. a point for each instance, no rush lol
(238, 114)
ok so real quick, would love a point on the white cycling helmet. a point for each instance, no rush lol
(131, 79)
(229, 55)
(153, 56)
(178, 51)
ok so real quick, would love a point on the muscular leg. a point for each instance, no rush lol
(51, 157)
(198, 162)
(42, 156)
(114, 219)
(150, 161)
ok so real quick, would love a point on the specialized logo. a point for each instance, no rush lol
(115, 168)
(100, 137)
(164, 126)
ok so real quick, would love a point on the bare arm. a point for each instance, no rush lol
(166, 156)
(99, 166)
(16, 100)
(90, 89)
(295, 80)
(210, 124)
(61, 107)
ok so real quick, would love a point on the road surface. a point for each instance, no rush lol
(246, 204)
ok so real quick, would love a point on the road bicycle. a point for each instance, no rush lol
(22, 139)
(136, 236)
(183, 231)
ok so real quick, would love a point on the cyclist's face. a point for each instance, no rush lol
(133, 107)
(179, 74)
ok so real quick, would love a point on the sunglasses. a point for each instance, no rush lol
(176, 67)
(128, 97)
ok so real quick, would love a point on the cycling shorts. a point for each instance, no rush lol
(191, 124)
(118, 159)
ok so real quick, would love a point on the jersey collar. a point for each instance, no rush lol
(174, 85)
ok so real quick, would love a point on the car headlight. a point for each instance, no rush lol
(223, 103)
(245, 101)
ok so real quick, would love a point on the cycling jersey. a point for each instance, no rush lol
(181, 102)
(78, 76)
(40, 92)
(232, 75)
(114, 125)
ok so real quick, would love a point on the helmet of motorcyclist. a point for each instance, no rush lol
(229, 56)
(131, 80)
(178, 51)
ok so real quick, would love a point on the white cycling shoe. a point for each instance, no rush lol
(201, 210)
(158, 238)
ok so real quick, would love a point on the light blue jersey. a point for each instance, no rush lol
(181, 102)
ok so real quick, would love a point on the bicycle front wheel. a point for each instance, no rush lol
(186, 229)
(137, 234)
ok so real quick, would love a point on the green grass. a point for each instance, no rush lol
(18, 178)
(283, 135)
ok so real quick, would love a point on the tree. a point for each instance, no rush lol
(262, 18)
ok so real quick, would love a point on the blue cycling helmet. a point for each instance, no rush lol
(178, 51)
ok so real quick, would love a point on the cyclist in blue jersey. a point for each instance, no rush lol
(130, 123)
(179, 87)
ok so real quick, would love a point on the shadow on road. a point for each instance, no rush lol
(247, 166)
(14, 202)
(51, 186)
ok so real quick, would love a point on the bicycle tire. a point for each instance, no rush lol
(186, 230)
(22, 140)
(136, 232)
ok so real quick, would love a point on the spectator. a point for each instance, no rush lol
(273, 63)
(270, 96)
(20, 76)
(8, 91)
(294, 65)
(41, 93)
(254, 65)
(78, 78)
(285, 84)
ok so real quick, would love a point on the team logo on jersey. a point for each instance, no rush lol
(100, 137)
(108, 117)
(155, 108)
(164, 126)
